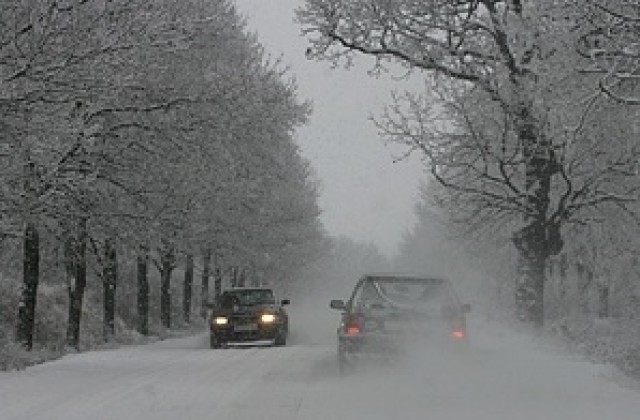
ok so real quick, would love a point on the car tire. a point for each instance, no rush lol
(214, 342)
(281, 339)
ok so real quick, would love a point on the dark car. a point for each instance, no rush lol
(248, 314)
(387, 312)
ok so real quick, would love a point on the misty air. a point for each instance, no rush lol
(320, 209)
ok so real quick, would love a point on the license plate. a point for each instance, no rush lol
(246, 327)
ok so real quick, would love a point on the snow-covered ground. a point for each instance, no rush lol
(504, 375)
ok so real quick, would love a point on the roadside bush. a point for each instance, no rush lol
(14, 356)
(612, 340)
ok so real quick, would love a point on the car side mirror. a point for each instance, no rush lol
(337, 304)
(466, 308)
(285, 302)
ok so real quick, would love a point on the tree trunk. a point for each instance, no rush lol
(167, 264)
(235, 277)
(603, 301)
(540, 238)
(217, 286)
(243, 277)
(188, 284)
(585, 278)
(562, 272)
(30, 280)
(206, 272)
(143, 290)
(585, 292)
(77, 272)
(529, 292)
(109, 279)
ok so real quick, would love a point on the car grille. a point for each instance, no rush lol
(241, 319)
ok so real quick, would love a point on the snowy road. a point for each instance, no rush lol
(503, 376)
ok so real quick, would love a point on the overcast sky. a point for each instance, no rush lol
(364, 195)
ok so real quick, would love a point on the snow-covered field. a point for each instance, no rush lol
(504, 375)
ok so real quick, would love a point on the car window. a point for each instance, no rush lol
(247, 298)
(426, 295)
(367, 295)
(227, 300)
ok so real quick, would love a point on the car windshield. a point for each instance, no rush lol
(247, 297)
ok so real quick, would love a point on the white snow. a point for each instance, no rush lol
(503, 375)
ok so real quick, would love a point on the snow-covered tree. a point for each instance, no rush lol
(609, 43)
(496, 143)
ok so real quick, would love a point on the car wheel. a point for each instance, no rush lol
(214, 342)
(281, 339)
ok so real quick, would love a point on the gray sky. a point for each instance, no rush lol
(364, 194)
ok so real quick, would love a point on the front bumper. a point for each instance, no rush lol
(229, 333)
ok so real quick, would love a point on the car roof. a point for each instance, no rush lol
(405, 275)
(249, 288)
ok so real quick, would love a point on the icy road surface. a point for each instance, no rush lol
(504, 376)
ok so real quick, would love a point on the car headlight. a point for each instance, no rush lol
(221, 320)
(267, 318)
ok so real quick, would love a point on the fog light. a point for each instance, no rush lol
(221, 320)
(267, 318)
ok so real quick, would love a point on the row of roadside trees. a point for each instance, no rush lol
(138, 134)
